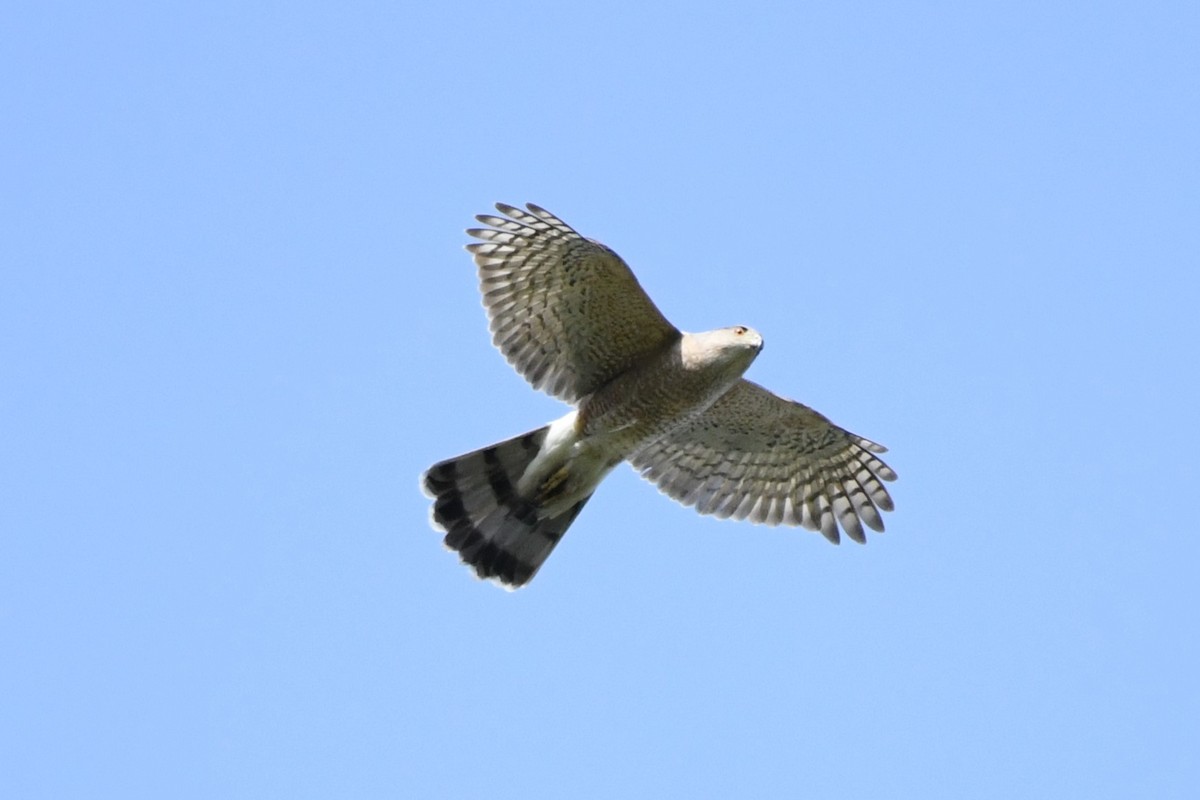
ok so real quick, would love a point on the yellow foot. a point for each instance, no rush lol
(552, 486)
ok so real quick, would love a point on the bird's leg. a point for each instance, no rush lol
(553, 485)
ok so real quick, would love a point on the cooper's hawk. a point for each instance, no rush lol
(569, 315)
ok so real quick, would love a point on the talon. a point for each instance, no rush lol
(553, 485)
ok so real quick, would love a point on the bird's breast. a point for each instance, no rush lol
(644, 403)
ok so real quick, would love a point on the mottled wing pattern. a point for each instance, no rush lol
(754, 455)
(565, 311)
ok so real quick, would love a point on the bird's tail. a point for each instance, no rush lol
(495, 530)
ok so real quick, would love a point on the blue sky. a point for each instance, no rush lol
(236, 322)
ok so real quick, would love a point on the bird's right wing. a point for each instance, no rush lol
(565, 311)
(755, 455)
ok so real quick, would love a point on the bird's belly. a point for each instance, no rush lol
(626, 418)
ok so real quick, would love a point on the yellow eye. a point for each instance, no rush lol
(739, 330)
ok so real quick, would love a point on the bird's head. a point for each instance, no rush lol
(730, 350)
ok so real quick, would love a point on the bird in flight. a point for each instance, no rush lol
(569, 315)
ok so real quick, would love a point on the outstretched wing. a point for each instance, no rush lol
(754, 455)
(565, 311)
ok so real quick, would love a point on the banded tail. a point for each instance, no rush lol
(493, 528)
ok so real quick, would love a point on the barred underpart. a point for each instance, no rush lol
(569, 315)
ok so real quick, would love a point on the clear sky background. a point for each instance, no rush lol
(236, 322)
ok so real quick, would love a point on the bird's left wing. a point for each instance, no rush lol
(754, 455)
(566, 311)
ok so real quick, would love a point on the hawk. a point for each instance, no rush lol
(570, 316)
